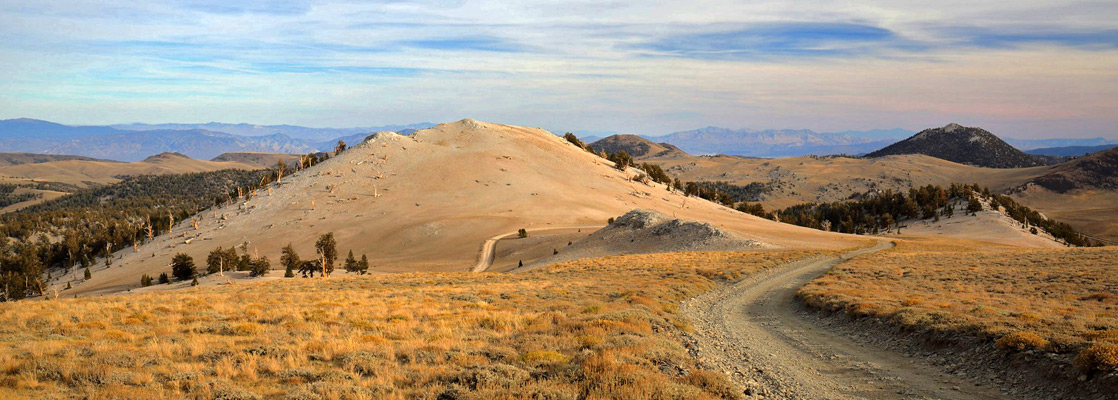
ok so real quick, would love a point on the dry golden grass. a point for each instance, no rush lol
(588, 329)
(1053, 300)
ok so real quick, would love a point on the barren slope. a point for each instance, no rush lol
(81, 173)
(806, 179)
(7, 159)
(428, 202)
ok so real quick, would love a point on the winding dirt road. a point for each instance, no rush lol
(489, 248)
(756, 332)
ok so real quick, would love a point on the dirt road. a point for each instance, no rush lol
(488, 249)
(757, 333)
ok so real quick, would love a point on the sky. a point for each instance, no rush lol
(1019, 68)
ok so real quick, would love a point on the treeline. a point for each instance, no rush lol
(884, 211)
(221, 259)
(738, 193)
(9, 197)
(76, 229)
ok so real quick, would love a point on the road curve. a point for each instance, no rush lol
(489, 247)
(756, 332)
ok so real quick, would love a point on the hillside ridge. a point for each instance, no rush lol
(961, 144)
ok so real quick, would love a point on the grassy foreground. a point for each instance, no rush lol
(587, 329)
(1054, 300)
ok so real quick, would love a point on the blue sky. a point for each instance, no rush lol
(1023, 69)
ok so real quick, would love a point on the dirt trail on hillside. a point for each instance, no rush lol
(756, 332)
(489, 248)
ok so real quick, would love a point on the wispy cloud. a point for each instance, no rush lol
(1011, 37)
(275, 7)
(765, 40)
(1025, 65)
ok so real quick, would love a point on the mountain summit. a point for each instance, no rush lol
(636, 146)
(961, 144)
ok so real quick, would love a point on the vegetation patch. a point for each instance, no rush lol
(603, 328)
(1050, 300)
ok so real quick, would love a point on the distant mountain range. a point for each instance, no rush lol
(964, 145)
(776, 143)
(1032, 144)
(292, 131)
(135, 142)
(1070, 151)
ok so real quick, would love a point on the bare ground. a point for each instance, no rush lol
(756, 332)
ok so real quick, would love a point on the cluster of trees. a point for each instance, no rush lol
(884, 211)
(9, 197)
(311, 159)
(220, 260)
(750, 192)
(880, 212)
(326, 250)
(621, 160)
(77, 229)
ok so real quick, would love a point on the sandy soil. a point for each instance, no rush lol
(987, 226)
(646, 231)
(428, 201)
(507, 251)
(756, 332)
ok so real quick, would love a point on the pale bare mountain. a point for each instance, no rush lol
(964, 145)
(430, 200)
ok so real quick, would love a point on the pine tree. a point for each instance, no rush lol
(327, 249)
(194, 282)
(351, 263)
(182, 267)
(88, 275)
(217, 262)
(290, 260)
(973, 205)
(363, 265)
(145, 280)
(260, 267)
(164, 279)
